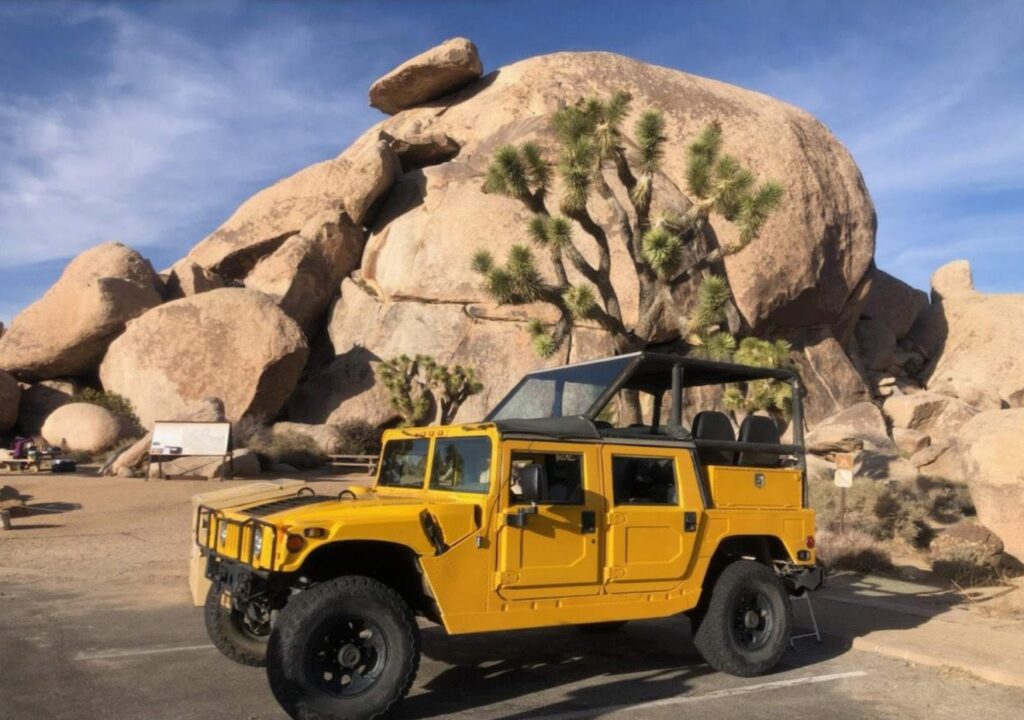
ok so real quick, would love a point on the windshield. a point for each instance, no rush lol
(404, 463)
(561, 392)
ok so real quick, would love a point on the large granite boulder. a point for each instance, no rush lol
(231, 343)
(10, 399)
(431, 74)
(40, 399)
(833, 382)
(67, 331)
(303, 275)
(83, 427)
(859, 427)
(940, 416)
(993, 457)
(894, 303)
(187, 277)
(973, 338)
(351, 183)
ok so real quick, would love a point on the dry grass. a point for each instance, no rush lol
(852, 550)
(291, 448)
(358, 437)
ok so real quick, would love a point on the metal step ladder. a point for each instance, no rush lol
(814, 621)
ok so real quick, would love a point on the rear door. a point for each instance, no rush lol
(652, 521)
(557, 551)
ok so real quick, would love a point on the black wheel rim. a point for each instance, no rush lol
(753, 620)
(347, 656)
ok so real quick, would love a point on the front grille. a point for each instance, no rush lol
(286, 504)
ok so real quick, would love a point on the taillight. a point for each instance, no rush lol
(810, 542)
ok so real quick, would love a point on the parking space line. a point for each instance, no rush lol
(713, 695)
(115, 654)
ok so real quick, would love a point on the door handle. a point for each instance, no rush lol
(689, 521)
(588, 522)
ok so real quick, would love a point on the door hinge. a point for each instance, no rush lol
(505, 578)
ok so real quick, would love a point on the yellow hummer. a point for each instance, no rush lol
(543, 514)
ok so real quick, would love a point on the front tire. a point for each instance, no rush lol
(347, 648)
(746, 628)
(239, 638)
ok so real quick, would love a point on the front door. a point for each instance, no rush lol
(652, 521)
(555, 550)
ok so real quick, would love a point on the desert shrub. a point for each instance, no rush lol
(901, 513)
(292, 448)
(860, 504)
(249, 430)
(117, 404)
(358, 437)
(947, 501)
(965, 563)
(852, 550)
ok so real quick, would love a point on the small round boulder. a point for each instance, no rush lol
(83, 427)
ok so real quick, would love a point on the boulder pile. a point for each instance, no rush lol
(285, 310)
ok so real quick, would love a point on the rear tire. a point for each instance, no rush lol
(236, 638)
(347, 648)
(746, 628)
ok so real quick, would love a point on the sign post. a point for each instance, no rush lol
(843, 479)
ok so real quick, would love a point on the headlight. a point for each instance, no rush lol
(257, 543)
(223, 534)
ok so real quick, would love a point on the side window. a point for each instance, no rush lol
(644, 481)
(404, 463)
(564, 473)
(462, 465)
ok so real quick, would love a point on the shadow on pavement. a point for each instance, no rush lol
(587, 674)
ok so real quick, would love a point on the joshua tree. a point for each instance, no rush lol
(708, 338)
(589, 140)
(422, 390)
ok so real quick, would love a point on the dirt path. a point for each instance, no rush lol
(88, 540)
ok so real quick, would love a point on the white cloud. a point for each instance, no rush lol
(173, 133)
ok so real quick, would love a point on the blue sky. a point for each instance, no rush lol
(149, 123)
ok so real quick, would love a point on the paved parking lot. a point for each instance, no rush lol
(157, 665)
(95, 623)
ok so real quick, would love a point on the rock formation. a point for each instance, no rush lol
(231, 343)
(993, 457)
(10, 399)
(83, 427)
(67, 331)
(429, 75)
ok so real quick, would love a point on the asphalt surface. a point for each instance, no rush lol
(114, 664)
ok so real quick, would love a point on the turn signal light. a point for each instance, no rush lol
(810, 542)
(295, 543)
(315, 532)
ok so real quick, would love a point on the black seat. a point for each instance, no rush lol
(714, 425)
(759, 429)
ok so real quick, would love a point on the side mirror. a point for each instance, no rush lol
(533, 484)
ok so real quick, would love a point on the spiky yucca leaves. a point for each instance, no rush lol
(518, 172)
(581, 300)
(662, 250)
(515, 283)
(547, 231)
(758, 395)
(728, 188)
(407, 392)
(649, 135)
(419, 386)
(712, 299)
(541, 340)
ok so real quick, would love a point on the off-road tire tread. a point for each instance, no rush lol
(295, 612)
(222, 633)
(713, 636)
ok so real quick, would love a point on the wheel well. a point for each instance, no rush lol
(765, 549)
(394, 565)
